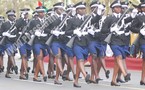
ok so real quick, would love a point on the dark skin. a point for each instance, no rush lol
(117, 9)
(41, 14)
(80, 63)
(24, 63)
(39, 58)
(26, 16)
(11, 17)
(11, 60)
(124, 62)
(97, 62)
(143, 63)
(118, 64)
(59, 11)
(58, 57)
(81, 11)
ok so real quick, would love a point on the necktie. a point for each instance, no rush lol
(42, 21)
(118, 16)
(12, 23)
(82, 18)
(26, 21)
(60, 18)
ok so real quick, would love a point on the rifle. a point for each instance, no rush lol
(108, 38)
(12, 28)
(23, 31)
(47, 22)
(116, 24)
(81, 28)
(59, 27)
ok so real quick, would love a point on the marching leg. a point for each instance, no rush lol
(8, 69)
(59, 69)
(115, 72)
(42, 66)
(120, 64)
(77, 75)
(142, 82)
(1, 64)
(51, 66)
(102, 62)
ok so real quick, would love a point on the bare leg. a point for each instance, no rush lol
(120, 64)
(77, 73)
(115, 72)
(143, 71)
(59, 69)
(82, 68)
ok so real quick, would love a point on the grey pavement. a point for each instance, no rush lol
(16, 84)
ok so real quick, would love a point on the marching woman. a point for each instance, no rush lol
(128, 17)
(138, 26)
(69, 52)
(9, 32)
(80, 48)
(116, 42)
(2, 19)
(94, 43)
(34, 16)
(57, 46)
(51, 64)
(39, 47)
(25, 49)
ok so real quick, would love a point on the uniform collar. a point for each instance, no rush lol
(80, 17)
(41, 20)
(117, 15)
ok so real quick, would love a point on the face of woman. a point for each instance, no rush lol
(143, 9)
(11, 17)
(81, 11)
(41, 14)
(59, 11)
(117, 9)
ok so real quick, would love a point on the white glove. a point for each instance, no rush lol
(77, 32)
(26, 34)
(84, 33)
(113, 29)
(127, 33)
(119, 32)
(134, 13)
(6, 34)
(38, 33)
(116, 30)
(43, 35)
(32, 36)
(97, 30)
(142, 31)
(100, 9)
(62, 33)
(55, 32)
(20, 33)
(12, 36)
(91, 31)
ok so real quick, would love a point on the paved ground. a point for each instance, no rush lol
(15, 84)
